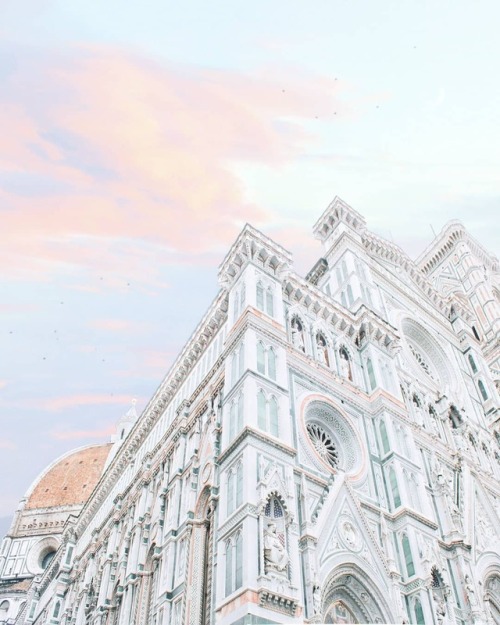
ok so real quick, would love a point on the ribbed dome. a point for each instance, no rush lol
(70, 480)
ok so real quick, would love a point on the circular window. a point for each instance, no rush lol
(41, 554)
(323, 443)
(430, 361)
(331, 440)
(47, 559)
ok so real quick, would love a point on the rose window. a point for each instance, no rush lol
(422, 361)
(329, 441)
(323, 444)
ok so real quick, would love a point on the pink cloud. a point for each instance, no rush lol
(3, 383)
(71, 401)
(7, 444)
(117, 325)
(119, 151)
(66, 435)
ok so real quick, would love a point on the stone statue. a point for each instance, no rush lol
(275, 555)
(316, 599)
(322, 350)
(297, 335)
(345, 365)
(440, 608)
(470, 593)
(349, 534)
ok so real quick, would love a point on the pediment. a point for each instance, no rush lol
(345, 534)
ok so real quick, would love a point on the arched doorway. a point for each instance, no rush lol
(492, 597)
(350, 597)
(199, 596)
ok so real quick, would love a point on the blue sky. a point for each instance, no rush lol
(138, 138)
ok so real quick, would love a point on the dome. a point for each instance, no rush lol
(70, 479)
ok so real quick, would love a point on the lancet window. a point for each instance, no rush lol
(482, 390)
(266, 360)
(234, 563)
(408, 557)
(267, 413)
(234, 487)
(237, 363)
(265, 299)
(236, 416)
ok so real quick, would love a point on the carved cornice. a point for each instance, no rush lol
(364, 322)
(317, 272)
(253, 246)
(337, 212)
(452, 233)
(393, 253)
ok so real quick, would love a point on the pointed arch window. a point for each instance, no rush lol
(234, 563)
(396, 498)
(472, 363)
(270, 302)
(408, 557)
(236, 416)
(237, 363)
(383, 437)
(271, 363)
(261, 410)
(266, 360)
(261, 358)
(260, 296)
(273, 416)
(234, 488)
(371, 374)
(419, 613)
(267, 413)
(265, 299)
(482, 390)
(57, 610)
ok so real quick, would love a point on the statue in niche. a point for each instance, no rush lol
(322, 350)
(345, 364)
(275, 555)
(433, 421)
(298, 335)
(419, 417)
(316, 599)
(470, 593)
(440, 608)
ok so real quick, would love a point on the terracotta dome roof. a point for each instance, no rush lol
(70, 480)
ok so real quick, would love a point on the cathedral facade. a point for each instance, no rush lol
(324, 450)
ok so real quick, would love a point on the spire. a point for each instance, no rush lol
(131, 412)
(338, 218)
(125, 424)
(253, 246)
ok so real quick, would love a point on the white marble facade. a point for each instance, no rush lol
(324, 450)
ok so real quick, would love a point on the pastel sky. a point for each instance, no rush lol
(136, 139)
